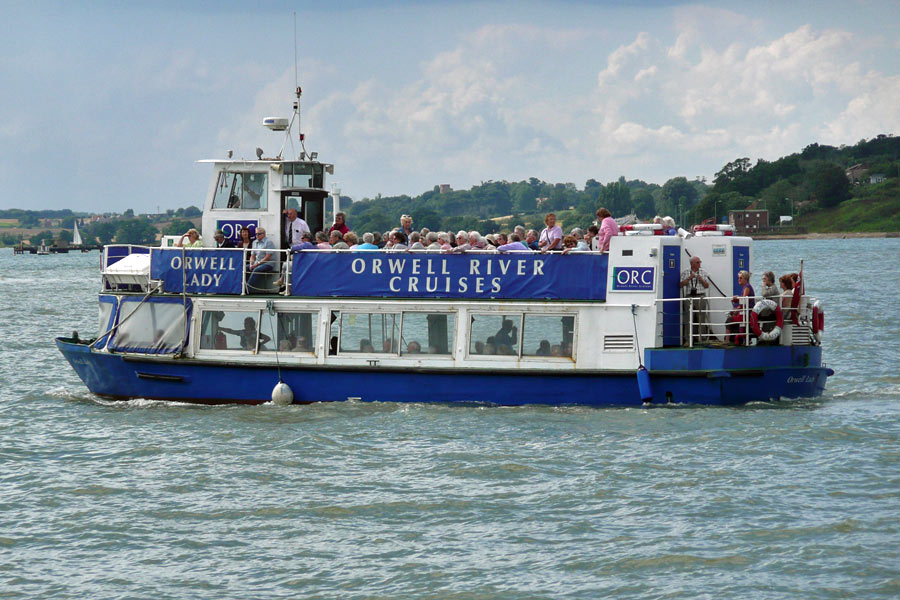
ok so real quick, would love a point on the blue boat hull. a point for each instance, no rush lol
(696, 376)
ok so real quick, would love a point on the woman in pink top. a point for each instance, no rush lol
(608, 229)
(551, 236)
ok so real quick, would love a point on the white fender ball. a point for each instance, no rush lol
(282, 394)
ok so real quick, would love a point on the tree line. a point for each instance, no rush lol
(810, 180)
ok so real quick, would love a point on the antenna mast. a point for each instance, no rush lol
(286, 127)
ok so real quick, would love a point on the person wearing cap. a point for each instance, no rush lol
(221, 240)
(260, 260)
(694, 284)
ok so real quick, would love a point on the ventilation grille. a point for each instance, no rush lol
(620, 343)
(800, 335)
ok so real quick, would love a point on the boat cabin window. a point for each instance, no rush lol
(548, 335)
(369, 333)
(515, 334)
(232, 330)
(151, 327)
(241, 190)
(427, 333)
(406, 333)
(292, 331)
(495, 334)
(302, 175)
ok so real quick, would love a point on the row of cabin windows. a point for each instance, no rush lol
(400, 333)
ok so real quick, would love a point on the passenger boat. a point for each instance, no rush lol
(598, 329)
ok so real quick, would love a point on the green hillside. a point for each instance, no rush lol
(811, 184)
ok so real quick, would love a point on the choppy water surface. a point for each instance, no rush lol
(146, 499)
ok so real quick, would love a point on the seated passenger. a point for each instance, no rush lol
(569, 244)
(581, 245)
(398, 241)
(351, 240)
(414, 347)
(462, 241)
(515, 245)
(284, 346)
(543, 348)
(431, 241)
(668, 224)
(193, 237)
(336, 239)
(302, 344)
(768, 289)
(261, 260)
(787, 294)
(306, 239)
(368, 242)
(736, 324)
(507, 335)
(366, 346)
(322, 241)
(247, 334)
(415, 241)
(479, 348)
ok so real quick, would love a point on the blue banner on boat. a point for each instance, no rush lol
(408, 275)
(206, 271)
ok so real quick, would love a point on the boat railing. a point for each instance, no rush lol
(707, 320)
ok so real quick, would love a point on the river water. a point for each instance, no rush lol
(148, 499)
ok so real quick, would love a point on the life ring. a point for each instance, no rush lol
(818, 321)
(771, 306)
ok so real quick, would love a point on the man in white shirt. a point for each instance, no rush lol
(294, 228)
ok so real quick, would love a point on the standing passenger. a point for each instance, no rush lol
(551, 236)
(608, 229)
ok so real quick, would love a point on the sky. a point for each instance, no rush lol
(114, 103)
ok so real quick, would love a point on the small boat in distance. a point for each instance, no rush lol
(590, 328)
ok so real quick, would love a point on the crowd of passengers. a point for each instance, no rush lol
(695, 284)
(299, 237)
(404, 238)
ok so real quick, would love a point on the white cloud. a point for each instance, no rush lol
(494, 106)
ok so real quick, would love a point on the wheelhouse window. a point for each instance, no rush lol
(241, 190)
(302, 175)
(232, 330)
(292, 331)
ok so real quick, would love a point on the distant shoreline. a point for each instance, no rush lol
(827, 236)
